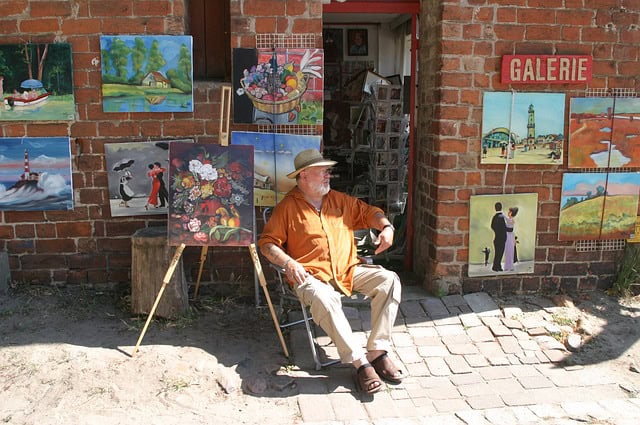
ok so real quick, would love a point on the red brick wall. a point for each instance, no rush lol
(456, 70)
(87, 245)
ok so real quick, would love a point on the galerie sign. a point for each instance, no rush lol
(550, 69)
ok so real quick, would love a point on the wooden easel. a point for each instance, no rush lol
(223, 138)
(225, 106)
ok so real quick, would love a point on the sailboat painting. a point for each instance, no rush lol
(35, 174)
(36, 82)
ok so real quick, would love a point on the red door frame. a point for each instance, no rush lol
(412, 8)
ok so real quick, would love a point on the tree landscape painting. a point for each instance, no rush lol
(598, 206)
(147, 73)
(210, 195)
(35, 174)
(273, 158)
(36, 82)
(281, 86)
(522, 128)
(604, 132)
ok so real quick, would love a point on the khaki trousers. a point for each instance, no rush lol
(382, 286)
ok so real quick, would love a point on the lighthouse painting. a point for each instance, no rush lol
(35, 174)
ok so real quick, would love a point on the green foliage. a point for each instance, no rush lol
(628, 271)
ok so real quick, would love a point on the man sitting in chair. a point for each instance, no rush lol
(311, 236)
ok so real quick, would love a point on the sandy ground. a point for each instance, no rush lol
(65, 357)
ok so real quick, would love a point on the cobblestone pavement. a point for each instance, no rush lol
(469, 363)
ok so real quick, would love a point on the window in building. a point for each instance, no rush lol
(209, 26)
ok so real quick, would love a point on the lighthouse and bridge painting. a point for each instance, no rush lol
(35, 174)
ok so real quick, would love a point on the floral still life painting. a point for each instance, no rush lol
(598, 206)
(281, 86)
(35, 174)
(211, 195)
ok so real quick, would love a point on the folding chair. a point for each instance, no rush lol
(287, 294)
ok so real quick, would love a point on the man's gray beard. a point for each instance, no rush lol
(321, 189)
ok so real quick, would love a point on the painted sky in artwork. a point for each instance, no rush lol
(50, 158)
(274, 155)
(604, 132)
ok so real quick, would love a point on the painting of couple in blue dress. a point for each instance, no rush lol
(35, 174)
(502, 234)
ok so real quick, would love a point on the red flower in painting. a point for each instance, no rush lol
(222, 188)
(236, 170)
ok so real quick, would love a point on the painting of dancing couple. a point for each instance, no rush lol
(502, 234)
(138, 178)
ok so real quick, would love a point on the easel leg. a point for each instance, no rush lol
(263, 283)
(165, 281)
(203, 257)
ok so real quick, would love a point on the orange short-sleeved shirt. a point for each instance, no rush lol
(323, 243)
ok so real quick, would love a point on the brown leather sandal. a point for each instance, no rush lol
(366, 379)
(387, 370)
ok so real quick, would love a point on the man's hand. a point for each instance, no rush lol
(295, 272)
(385, 240)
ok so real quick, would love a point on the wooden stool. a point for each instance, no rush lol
(150, 259)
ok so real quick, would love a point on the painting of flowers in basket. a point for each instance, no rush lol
(598, 206)
(281, 86)
(211, 195)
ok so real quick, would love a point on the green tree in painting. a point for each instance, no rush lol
(156, 60)
(181, 78)
(138, 54)
(118, 56)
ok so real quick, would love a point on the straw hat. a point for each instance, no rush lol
(309, 158)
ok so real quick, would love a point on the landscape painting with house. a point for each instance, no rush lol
(36, 82)
(145, 73)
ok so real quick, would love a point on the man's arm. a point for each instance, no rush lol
(276, 255)
(385, 238)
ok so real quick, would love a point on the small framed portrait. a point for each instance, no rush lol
(394, 175)
(381, 175)
(381, 126)
(382, 92)
(396, 126)
(383, 109)
(394, 142)
(396, 109)
(381, 143)
(358, 39)
(396, 93)
(382, 159)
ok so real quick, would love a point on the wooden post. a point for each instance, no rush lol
(167, 278)
(263, 283)
(225, 114)
(203, 257)
(150, 257)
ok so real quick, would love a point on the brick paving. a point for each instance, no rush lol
(469, 363)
